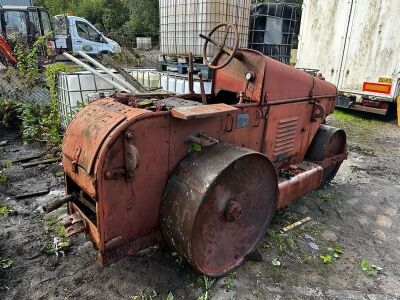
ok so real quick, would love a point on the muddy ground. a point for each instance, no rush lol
(355, 219)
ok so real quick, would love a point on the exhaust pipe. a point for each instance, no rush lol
(54, 204)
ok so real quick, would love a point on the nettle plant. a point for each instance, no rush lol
(28, 58)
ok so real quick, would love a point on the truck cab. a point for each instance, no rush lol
(27, 21)
(78, 34)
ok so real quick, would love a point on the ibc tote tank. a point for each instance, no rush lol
(182, 21)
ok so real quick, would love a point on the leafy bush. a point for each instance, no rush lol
(27, 57)
(9, 113)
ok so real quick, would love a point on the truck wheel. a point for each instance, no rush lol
(100, 54)
(328, 142)
(217, 206)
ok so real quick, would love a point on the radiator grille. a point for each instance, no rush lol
(285, 136)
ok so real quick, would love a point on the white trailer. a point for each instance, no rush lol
(355, 44)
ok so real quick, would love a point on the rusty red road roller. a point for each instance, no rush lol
(204, 173)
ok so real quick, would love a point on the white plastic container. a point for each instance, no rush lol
(75, 90)
(182, 21)
(143, 43)
(169, 82)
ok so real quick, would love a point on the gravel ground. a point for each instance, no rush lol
(354, 220)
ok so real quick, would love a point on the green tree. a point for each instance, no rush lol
(144, 19)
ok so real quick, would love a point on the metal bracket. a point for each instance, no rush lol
(259, 116)
(131, 155)
(75, 229)
(73, 224)
(229, 123)
(76, 159)
(202, 139)
(318, 111)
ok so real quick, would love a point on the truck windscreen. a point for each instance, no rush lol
(45, 21)
(15, 24)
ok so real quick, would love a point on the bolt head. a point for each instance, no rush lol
(233, 211)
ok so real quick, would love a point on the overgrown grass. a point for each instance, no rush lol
(360, 120)
(361, 129)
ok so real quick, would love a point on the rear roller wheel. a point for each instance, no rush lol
(328, 142)
(217, 206)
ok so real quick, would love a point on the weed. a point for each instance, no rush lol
(207, 283)
(228, 283)
(327, 259)
(52, 120)
(6, 210)
(369, 269)
(9, 164)
(276, 262)
(9, 113)
(6, 263)
(257, 291)
(286, 243)
(56, 232)
(335, 253)
(28, 66)
(307, 258)
(3, 178)
(146, 295)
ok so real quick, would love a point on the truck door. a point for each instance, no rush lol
(45, 21)
(87, 38)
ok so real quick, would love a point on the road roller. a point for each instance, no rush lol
(203, 173)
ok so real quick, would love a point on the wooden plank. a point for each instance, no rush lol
(201, 111)
(32, 194)
(297, 224)
(26, 158)
(44, 162)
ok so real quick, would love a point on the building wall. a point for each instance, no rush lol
(16, 2)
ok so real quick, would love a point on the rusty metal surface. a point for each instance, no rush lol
(217, 206)
(83, 139)
(54, 204)
(273, 81)
(119, 158)
(201, 111)
(291, 189)
(328, 144)
(284, 82)
(233, 77)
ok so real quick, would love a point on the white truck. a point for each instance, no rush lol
(75, 34)
(355, 44)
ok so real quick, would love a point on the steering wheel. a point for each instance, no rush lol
(220, 45)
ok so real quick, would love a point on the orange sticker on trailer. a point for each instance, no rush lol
(382, 88)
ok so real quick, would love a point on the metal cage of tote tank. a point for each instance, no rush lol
(272, 26)
(181, 22)
(76, 89)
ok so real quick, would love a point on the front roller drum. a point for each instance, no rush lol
(328, 142)
(217, 206)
